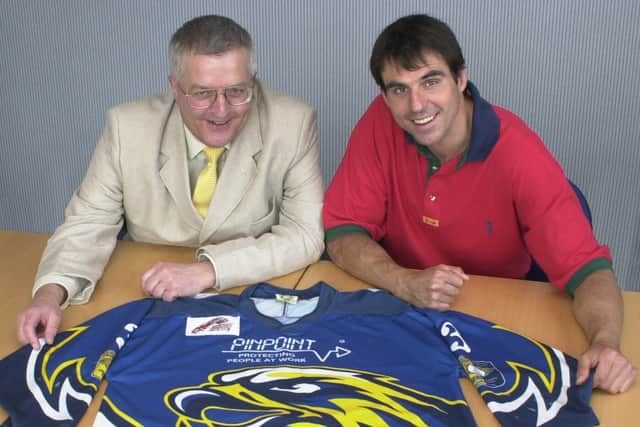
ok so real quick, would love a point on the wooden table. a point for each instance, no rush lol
(529, 308)
(19, 257)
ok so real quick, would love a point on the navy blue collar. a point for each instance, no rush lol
(485, 129)
(325, 293)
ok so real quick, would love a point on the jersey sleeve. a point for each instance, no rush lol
(356, 199)
(54, 386)
(522, 381)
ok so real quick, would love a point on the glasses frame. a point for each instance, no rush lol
(216, 92)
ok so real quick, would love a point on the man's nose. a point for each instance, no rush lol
(220, 105)
(417, 100)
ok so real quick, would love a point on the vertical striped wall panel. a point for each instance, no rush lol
(567, 68)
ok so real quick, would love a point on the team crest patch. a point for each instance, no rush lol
(213, 325)
(482, 373)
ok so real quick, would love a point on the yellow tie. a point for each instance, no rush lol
(206, 184)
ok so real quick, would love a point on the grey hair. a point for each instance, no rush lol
(208, 35)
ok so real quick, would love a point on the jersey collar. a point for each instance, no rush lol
(325, 293)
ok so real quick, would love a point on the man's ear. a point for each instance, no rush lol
(383, 92)
(463, 79)
(174, 86)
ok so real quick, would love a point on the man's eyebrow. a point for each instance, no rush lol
(394, 84)
(429, 74)
(432, 73)
(197, 87)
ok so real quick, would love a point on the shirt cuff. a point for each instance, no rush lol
(579, 276)
(203, 256)
(342, 230)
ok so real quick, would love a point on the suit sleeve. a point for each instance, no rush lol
(54, 385)
(81, 247)
(296, 240)
(522, 381)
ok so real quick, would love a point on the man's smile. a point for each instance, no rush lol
(424, 120)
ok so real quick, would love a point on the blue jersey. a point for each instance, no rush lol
(281, 357)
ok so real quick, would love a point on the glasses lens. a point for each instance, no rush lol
(202, 98)
(238, 95)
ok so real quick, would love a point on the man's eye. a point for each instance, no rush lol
(399, 90)
(236, 92)
(202, 94)
(430, 82)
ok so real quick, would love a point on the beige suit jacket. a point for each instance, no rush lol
(264, 219)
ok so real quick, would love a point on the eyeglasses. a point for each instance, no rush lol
(204, 98)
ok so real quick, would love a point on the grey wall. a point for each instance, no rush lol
(568, 68)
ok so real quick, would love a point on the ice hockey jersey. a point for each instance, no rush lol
(281, 357)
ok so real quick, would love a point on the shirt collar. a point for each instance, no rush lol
(485, 129)
(194, 146)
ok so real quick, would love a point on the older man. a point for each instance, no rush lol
(437, 183)
(220, 163)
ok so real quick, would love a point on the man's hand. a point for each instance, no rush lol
(42, 317)
(598, 307)
(614, 373)
(168, 280)
(435, 287)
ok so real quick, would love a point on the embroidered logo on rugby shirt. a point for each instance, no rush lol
(431, 221)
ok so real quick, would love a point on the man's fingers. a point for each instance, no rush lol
(51, 327)
(584, 367)
(32, 337)
(616, 383)
(446, 283)
(149, 279)
(149, 282)
(156, 291)
(449, 292)
(615, 375)
(450, 276)
(148, 273)
(29, 328)
(446, 297)
(461, 274)
(27, 335)
(43, 312)
(602, 376)
(440, 306)
(169, 295)
(35, 342)
(611, 365)
(628, 382)
(456, 272)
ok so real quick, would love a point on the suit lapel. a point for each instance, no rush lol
(173, 169)
(238, 173)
